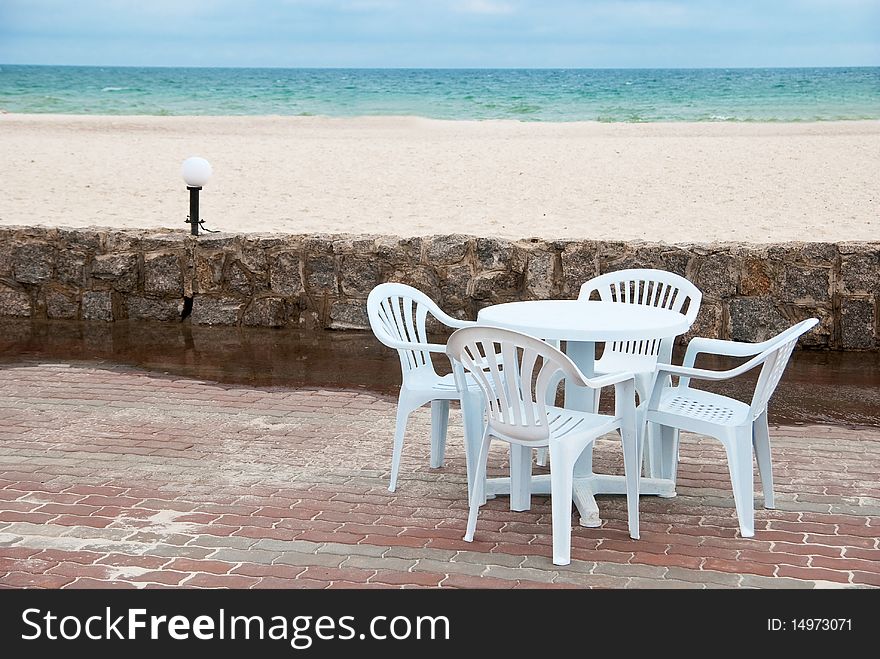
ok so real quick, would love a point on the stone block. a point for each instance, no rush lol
(146, 308)
(122, 241)
(540, 275)
(165, 241)
(755, 276)
(494, 254)
(6, 259)
(239, 279)
(708, 323)
(361, 245)
(821, 336)
(349, 314)
(14, 302)
(163, 274)
(497, 287)
(580, 263)
(398, 250)
(70, 267)
(97, 305)
(119, 269)
(211, 241)
(320, 271)
(811, 254)
(358, 275)
(33, 263)
(61, 302)
(803, 284)
(254, 257)
(447, 250)
(715, 274)
(284, 274)
(860, 271)
(209, 271)
(266, 312)
(452, 285)
(857, 319)
(209, 310)
(675, 260)
(81, 240)
(755, 319)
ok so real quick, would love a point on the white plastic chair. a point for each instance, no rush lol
(653, 288)
(737, 425)
(514, 372)
(398, 315)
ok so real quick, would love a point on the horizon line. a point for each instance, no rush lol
(453, 68)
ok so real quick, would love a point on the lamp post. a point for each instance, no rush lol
(196, 172)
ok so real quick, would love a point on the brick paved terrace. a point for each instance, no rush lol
(116, 477)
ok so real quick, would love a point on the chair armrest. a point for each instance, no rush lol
(602, 381)
(449, 321)
(407, 345)
(720, 347)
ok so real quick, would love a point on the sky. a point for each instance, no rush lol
(442, 33)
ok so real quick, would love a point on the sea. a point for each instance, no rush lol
(607, 95)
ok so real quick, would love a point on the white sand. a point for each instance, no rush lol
(670, 182)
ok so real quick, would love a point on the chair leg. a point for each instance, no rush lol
(472, 413)
(739, 458)
(667, 437)
(632, 467)
(561, 483)
(403, 413)
(479, 488)
(439, 425)
(541, 457)
(761, 440)
(520, 477)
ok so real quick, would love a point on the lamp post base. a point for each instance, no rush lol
(193, 209)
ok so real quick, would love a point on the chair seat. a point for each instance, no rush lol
(621, 362)
(442, 386)
(565, 422)
(679, 406)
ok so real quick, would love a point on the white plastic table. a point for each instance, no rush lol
(582, 324)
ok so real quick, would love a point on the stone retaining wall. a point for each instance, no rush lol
(750, 291)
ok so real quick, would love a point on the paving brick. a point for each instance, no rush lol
(703, 576)
(815, 574)
(627, 570)
(175, 551)
(234, 542)
(193, 565)
(29, 580)
(127, 560)
(221, 581)
(163, 577)
(304, 559)
(395, 578)
(245, 556)
(467, 581)
(84, 583)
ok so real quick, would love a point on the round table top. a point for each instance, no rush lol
(581, 320)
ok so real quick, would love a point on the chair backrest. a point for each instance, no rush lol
(654, 288)
(397, 313)
(514, 372)
(775, 358)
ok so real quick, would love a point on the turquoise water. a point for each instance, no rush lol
(629, 95)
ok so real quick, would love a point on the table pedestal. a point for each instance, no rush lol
(586, 489)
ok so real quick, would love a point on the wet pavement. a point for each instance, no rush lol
(818, 387)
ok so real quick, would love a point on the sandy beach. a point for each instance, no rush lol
(681, 182)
